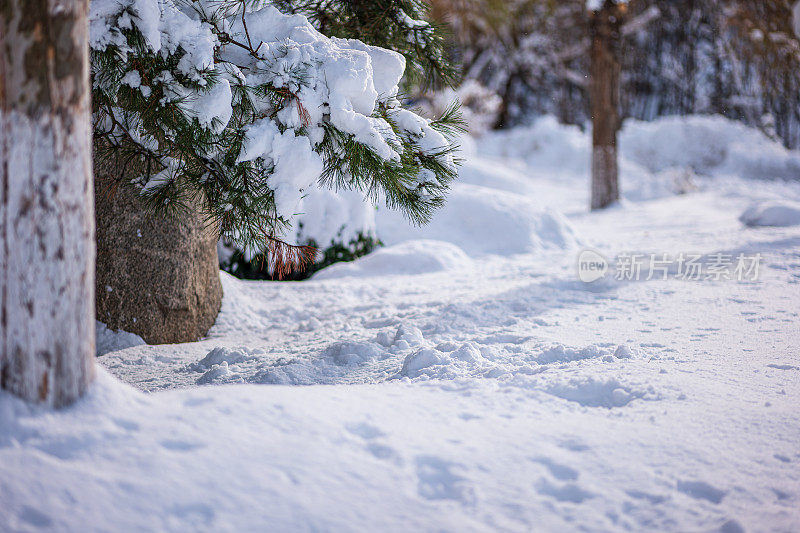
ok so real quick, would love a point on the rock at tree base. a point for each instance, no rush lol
(157, 277)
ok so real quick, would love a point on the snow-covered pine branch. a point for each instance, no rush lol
(255, 108)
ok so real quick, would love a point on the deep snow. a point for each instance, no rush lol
(463, 378)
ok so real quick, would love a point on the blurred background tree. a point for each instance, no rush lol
(737, 58)
(532, 53)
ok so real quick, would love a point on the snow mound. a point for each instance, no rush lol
(775, 213)
(483, 220)
(598, 392)
(657, 159)
(492, 173)
(411, 257)
(404, 338)
(640, 185)
(221, 364)
(707, 144)
(442, 364)
(546, 144)
(560, 353)
(108, 340)
(352, 353)
(332, 365)
(221, 355)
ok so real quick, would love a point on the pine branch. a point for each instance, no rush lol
(181, 160)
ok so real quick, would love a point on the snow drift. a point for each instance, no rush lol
(775, 213)
(506, 396)
(484, 220)
(410, 257)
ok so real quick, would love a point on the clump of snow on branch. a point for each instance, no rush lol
(164, 27)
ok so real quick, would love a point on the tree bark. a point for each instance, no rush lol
(157, 276)
(604, 97)
(46, 212)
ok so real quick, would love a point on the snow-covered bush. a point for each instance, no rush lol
(339, 224)
(256, 109)
(249, 265)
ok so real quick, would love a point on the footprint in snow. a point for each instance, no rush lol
(782, 367)
(437, 479)
(731, 526)
(199, 514)
(382, 451)
(35, 518)
(568, 492)
(180, 445)
(370, 433)
(365, 430)
(781, 495)
(653, 499)
(700, 490)
(127, 425)
(196, 401)
(574, 445)
(558, 471)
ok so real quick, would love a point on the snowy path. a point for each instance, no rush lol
(519, 312)
(492, 393)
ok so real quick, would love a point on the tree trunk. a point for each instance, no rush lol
(157, 276)
(46, 218)
(604, 96)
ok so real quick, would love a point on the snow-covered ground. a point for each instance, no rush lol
(463, 378)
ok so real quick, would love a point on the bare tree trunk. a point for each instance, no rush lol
(46, 213)
(604, 96)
